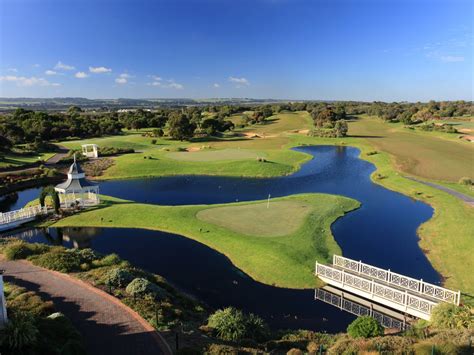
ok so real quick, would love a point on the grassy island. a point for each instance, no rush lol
(280, 256)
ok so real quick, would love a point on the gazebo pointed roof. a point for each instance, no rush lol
(76, 180)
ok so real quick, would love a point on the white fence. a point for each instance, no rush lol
(358, 309)
(392, 297)
(22, 214)
(401, 281)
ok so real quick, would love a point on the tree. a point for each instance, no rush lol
(180, 127)
(340, 128)
(365, 327)
(49, 190)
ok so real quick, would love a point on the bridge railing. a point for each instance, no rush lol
(372, 288)
(358, 309)
(21, 214)
(402, 281)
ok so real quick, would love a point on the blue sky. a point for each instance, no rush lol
(337, 50)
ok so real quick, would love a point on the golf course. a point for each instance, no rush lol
(264, 150)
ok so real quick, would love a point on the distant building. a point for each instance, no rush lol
(90, 150)
(77, 190)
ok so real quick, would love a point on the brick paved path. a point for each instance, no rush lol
(108, 326)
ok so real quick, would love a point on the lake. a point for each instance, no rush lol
(382, 232)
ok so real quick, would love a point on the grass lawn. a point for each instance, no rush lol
(272, 219)
(423, 154)
(242, 151)
(17, 160)
(214, 155)
(283, 260)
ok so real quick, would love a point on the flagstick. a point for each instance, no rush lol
(268, 201)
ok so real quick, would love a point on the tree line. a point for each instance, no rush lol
(27, 126)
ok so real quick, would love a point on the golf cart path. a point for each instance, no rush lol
(106, 324)
(468, 199)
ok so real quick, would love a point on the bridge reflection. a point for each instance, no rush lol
(358, 306)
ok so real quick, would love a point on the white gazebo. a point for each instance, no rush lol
(90, 150)
(77, 190)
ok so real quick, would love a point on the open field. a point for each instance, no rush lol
(275, 219)
(423, 154)
(286, 261)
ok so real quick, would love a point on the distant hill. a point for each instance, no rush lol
(62, 103)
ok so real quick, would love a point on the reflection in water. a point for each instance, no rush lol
(358, 306)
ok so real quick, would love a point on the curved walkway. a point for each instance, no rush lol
(107, 325)
(468, 199)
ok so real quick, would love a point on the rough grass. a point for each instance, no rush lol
(213, 155)
(286, 261)
(274, 219)
(429, 155)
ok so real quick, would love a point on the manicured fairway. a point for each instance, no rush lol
(269, 219)
(17, 160)
(286, 261)
(214, 155)
(419, 153)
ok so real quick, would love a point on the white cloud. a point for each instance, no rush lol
(99, 70)
(216, 85)
(451, 59)
(175, 86)
(156, 77)
(81, 75)
(24, 81)
(158, 81)
(13, 70)
(240, 81)
(61, 66)
(50, 72)
(123, 78)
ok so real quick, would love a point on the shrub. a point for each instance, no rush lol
(450, 316)
(465, 181)
(143, 287)
(59, 260)
(229, 324)
(108, 260)
(118, 277)
(365, 327)
(232, 324)
(295, 351)
(373, 152)
(153, 141)
(58, 336)
(256, 328)
(22, 250)
(28, 302)
(87, 255)
(20, 332)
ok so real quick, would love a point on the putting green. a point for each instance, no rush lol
(279, 219)
(214, 155)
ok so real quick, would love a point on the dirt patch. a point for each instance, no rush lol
(468, 138)
(465, 130)
(193, 149)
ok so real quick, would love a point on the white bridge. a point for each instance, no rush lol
(13, 219)
(403, 293)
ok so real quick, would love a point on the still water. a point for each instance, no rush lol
(382, 232)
